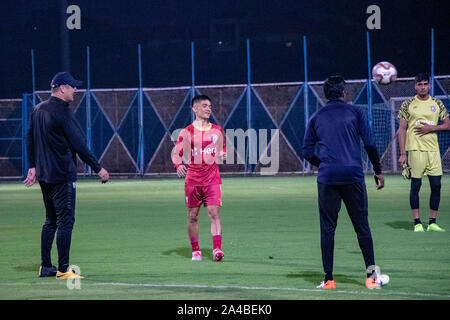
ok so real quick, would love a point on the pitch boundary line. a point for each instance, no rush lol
(378, 292)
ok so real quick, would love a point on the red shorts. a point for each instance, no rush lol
(208, 195)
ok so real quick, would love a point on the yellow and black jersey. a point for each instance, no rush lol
(415, 111)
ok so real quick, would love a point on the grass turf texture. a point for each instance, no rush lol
(130, 240)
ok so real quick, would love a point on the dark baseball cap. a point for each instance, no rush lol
(65, 78)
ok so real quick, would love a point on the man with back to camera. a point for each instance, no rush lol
(418, 123)
(336, 129)
(202, 143)
(54, 139)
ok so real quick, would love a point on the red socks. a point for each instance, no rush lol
(217, 241)
(194, 244)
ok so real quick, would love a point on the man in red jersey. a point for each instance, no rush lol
(201, 144)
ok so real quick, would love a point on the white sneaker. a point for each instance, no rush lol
(330, 284)
(382, 279)
(196, 256)
(217, 255)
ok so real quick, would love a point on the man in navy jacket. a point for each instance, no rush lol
(336, 130)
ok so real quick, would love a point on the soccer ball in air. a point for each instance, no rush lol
(384, 72)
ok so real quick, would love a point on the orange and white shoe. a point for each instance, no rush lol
(196, 256)
(217, 255)
(69, 274)
(381, 280)
(330, 284)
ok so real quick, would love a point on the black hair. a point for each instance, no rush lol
(422, 77)
(333, 88)
(200, 97)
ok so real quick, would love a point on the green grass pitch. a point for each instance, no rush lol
(130, 241)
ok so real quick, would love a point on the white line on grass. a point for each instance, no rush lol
(380, 292)
(369, 292)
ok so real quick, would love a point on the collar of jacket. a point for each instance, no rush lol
(335, 100)
(58, 100)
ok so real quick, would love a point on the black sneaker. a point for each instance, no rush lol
(47, 272)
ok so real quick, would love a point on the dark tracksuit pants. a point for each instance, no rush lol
(355, 200)
(59, 200)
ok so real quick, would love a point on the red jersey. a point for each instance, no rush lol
(200, 147)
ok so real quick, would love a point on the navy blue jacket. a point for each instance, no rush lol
(54, 139)
(337, 129)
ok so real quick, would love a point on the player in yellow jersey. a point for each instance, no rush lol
(419, 117)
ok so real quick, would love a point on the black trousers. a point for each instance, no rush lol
(355, 200)
(59, 200)
(435, 196)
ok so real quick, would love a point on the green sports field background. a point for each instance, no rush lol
(130, 241)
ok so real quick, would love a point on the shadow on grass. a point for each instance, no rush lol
(404, 225)
(186, 252)
(316, 277)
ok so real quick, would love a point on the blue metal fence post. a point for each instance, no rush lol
(249, 145)
(140, 118)
(369, 90)
(192, 77)
(25, 116)
(24, 134)
(33, 78)
(88, 106)
(432, 62)
(305, 95)
(369, 83)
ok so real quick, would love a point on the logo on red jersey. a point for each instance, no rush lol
(212, 150)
